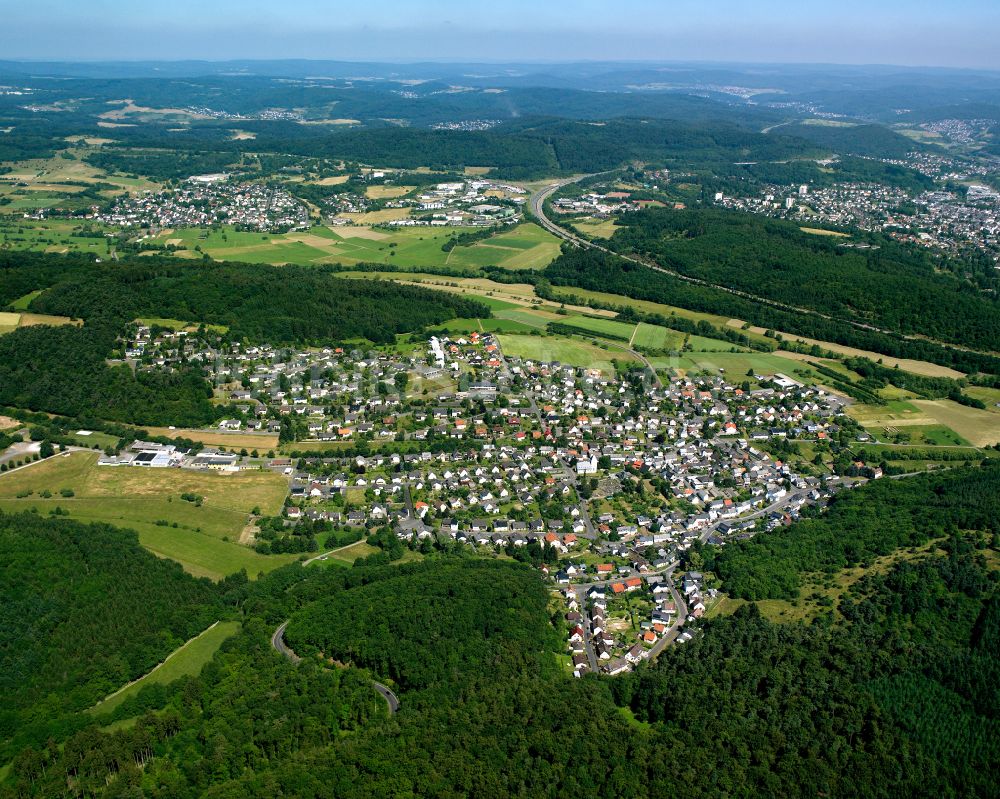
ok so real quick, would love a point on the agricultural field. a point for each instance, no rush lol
(524, 247)
(655, 337)
(517, 294)
(187, 660)
(734, 365)
(602, 327)
(917, 367)
(565, 350)
(645, 306)
(387, 192)
(50, 235)
(202, 537)
(932, 422)
(980, 428)
(12, 320)
(377, 217)
(533, 318)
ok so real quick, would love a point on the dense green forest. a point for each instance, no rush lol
(595, 270)
(873, 520)
(64, 370)
(387, 626)
(25, 271)
(892, 287)
(287, 304)
(875, 141)
(84, 610)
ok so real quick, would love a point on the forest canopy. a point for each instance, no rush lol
(286, 304)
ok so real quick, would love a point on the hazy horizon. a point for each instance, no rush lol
(893, 33)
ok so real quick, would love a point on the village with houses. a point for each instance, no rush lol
(603, 482)
(206, 200)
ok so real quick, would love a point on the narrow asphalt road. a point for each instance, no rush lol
(278, 642)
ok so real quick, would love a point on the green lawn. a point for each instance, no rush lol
(734, 365)
(564, 350)
(188, 660)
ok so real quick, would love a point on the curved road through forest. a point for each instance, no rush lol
(278, 642)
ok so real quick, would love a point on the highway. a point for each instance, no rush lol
(278, 642)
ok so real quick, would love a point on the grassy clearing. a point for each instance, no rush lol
(202, 538)
(22, 303)
(188, 660)
(178, 324)
(655, 337)
(820, 592)
(596, 228)
(347, 556)
(564, 350)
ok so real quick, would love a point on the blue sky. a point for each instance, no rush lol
(914, 32)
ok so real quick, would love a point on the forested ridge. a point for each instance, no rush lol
(287, 304)
(599, 271)
(892, 287)
(534, 145)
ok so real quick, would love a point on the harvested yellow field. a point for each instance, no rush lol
(336, 180)
(818, 232)
(387, 192)
(28, 319)
(980, 428)
(360, 232)
(216, 438)
(10, 320)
